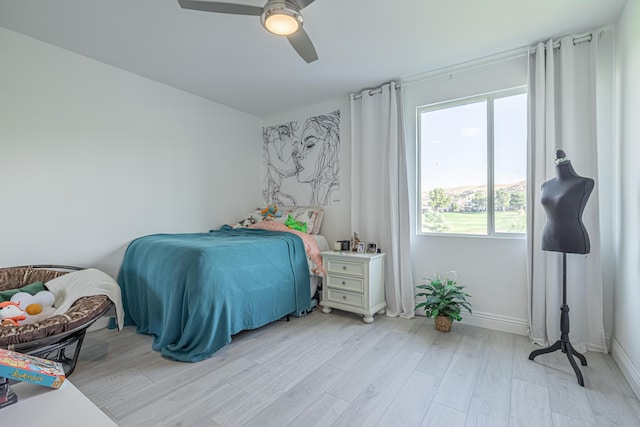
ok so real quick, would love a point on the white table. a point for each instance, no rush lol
(40, 406)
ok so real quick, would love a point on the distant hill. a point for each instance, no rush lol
(456, 192)
(463, 199)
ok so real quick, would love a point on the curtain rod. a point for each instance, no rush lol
(491, 59)
(581, 39)
(578, 39)
(483, 61)
(372, 92)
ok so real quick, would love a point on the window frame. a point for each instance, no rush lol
(490, 98)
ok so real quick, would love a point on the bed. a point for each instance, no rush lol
(192, 292)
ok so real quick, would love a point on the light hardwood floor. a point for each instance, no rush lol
(334, 370)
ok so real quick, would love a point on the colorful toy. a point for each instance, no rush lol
(270, 212)
(11, 314)
(23, 367)
(36, 307)
(295, 225)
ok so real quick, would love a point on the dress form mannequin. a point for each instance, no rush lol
(563, 199)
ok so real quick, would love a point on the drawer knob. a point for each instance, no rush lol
(344, 297)
(344, 267)
(344, 283)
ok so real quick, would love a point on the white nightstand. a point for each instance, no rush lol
(354, 282)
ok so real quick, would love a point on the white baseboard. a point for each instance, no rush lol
(497, 322)
(629, 371)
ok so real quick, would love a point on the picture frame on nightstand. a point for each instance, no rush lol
(372, 248)
(361, 247)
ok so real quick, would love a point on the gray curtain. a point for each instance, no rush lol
(563, 95)
(380, 195)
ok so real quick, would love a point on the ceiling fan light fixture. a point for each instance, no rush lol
(281, 19)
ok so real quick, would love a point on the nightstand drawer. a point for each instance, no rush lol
(345, 267)
(345, 283)
(356, 300)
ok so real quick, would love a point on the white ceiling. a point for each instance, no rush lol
(361, 43)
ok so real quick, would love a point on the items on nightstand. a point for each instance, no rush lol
(10, 399)
(7, 397)
(23, 367)
(354, 282)
(355, 241)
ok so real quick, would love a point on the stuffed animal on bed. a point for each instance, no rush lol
(270, 212)
(295, 225)
(36, 307)
(245, 223)
(11, 314)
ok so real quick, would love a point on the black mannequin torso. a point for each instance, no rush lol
(564, 198)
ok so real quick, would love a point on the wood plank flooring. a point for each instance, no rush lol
(334, 370)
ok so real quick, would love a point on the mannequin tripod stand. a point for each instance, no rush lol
(563, 343)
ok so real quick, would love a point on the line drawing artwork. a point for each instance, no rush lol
(301, 163)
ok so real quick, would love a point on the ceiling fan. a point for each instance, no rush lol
(280, 17)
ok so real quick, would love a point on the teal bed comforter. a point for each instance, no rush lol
(192, 292)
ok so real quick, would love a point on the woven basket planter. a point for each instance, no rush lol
(443, 323)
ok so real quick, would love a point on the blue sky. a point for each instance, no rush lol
(454, 147)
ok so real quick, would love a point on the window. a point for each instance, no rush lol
(472, 165)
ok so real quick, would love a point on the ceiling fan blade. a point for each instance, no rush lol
(302, 44)
(303, 3)
(220, 7)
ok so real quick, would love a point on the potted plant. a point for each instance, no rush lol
(443, 300)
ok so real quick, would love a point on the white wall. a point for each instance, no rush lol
(626, 339)
(92, 157)
(493, 269)
(337, 219)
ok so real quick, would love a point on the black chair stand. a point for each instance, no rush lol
(563, 343)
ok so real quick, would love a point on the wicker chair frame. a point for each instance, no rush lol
(54, 347)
